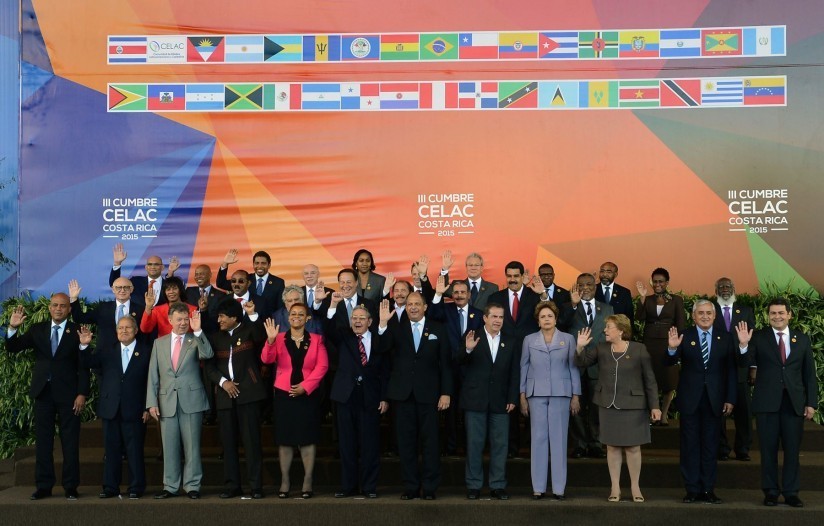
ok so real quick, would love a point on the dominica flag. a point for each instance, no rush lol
(243, 97)
(721, 42)
(517, 94)
(127, 97)
(598, 44)
(400, 47)
(638, 94)
(439, 46)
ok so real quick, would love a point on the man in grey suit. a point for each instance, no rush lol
(176, 397)
(479, 289)
(585, 311)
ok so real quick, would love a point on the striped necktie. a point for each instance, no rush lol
(705, 348)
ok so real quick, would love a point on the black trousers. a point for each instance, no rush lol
(415, 422)
(699, 447)
(127, 436)
(359, 443)
(243, 420)
(46, 407)
(785, 427)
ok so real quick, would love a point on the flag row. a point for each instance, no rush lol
(482, 45)
(441, 95)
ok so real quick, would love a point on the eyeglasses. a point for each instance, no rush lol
(238, 281)
(120, 288)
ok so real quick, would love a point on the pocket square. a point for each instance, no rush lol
(433, 337)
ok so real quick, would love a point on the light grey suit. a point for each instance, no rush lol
(181, 397)
(549, 378)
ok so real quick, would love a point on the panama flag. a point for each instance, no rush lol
(355, 96)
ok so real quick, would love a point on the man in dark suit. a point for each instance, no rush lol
(785, 393)
(584, 310)
(205, 297)
(106, 314)
(268, 287)
(59, 386)
(359, 391)
(153, 277)
(729, 313)
(554, 292)
(458, 317)
(420, 384)
(312, 285)
(706, 391)
(490, 391)
(235, 368)
(480, 290)
(519, 302)
(124, 370)
(613, 294)
(348, 287)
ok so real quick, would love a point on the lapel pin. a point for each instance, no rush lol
(136, 353)
(737, 311)
(563, 343)
(692, 343)
(471, 315)
(793, 339)
(238, 342)
(68, 330)
(626, 357)
(134, 315)
(503, 345)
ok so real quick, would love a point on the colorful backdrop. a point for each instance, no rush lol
(685, 135)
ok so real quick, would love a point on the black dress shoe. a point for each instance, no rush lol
(165, 495)
(579, 452)
(473, 494)
(134, 495)
(232, 493)
(428, 496)
(723, 456)
(370, 494)
(106, 494)
(409, 495)
(499, 494)
(342, 494)
(710, 497)
(745, 457)
(690, 497)
(771, 500)
(257, 494)
(40, 494)
(194, 494)
(71, 494)
(558, 497)
(538, 496)
(595, 452)
(794, 501)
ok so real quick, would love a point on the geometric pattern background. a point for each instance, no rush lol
(644, 189)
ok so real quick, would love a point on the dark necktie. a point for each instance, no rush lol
(782, 348)
(705, 348)
(473, 293)
(727, 317)
(260, 287)
(461, 320)
(607, 295)
(589, 314)
(515, 305)
(55, 339)
(362, 350)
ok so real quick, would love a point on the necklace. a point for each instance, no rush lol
(297, 340)
(614, 352)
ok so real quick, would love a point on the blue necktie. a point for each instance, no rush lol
(349, 307)
(310, 298)
(260, 287)
(121, 311)
(705, 349)
(55, 339)
(416, 335)
(473, 293)
(124, 358)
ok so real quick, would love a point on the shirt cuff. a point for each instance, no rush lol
(437, 298)
(197, 334)
(83, 347)
(382, 330)
(222, 380)
(331, 312)
(253, 317)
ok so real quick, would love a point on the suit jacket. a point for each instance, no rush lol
(576, 319)
(486, 290)
(350, 372)
(560, 297)
(525, 324)
(426, 291)
(447, 314)
(167, 388)
(621, 300)
(549, 369)
(489, 386)
(210, 316)
(738, 313)
(797, 376)
(102, 316)
(657, 326)
(272, 297)
(246, 342)
(718, 379)
(66, 372)
(121, 392)
(141, 286)
(626, 383)
(374, 287)
(315, 364)
(426, 373)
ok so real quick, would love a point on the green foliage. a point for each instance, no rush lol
(16, 407)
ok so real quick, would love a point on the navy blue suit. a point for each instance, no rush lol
(702, 393)
(121, 405)
(272, 297)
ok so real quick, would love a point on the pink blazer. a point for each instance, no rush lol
(315, 364)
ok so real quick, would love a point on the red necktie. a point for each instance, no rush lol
(151, 287)
(781, 348)
(239, 300)
(515, 305)
(176, 351)
(362, 349)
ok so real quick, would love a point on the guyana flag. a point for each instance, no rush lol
(127, 97)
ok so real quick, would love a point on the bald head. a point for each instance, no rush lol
(203, 276)
(59, 307)
(122, 288)
(311, 274)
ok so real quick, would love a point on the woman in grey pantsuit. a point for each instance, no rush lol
(626, 396)
(550, 387)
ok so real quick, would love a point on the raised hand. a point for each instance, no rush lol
(674, 340)
(642, 289)
(422, 265)
(440, 285)
(575, 294)
(389, 283)
(174, 264)
(385, 314)
(74, 290)
(471, 341)
(744, 335)
(320, 292)
(537, 285)
(249, 307)
(85, 335)
(18, 316)
(229, 258)
(446, 259)
(337, 297)
(271, 329)
(194, 321)
(149, 297)
(584, 338)
(118, 254)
